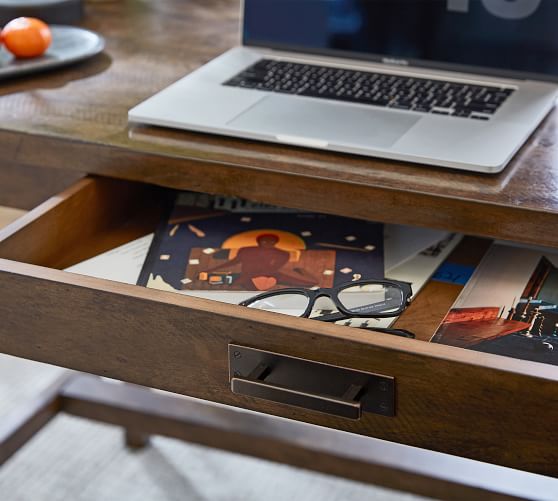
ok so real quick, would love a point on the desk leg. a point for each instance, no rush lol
(135, 439)
(17, 428)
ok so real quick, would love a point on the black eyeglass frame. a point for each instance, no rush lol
(332, 294)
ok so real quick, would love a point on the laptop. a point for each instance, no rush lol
(451, 83)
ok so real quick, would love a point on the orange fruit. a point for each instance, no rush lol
(26, 37)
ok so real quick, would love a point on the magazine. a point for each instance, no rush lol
(509, 306)
(228, 249)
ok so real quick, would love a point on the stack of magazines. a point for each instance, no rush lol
(230, 250)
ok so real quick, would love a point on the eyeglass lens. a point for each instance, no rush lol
(288, 304)
(370, 299)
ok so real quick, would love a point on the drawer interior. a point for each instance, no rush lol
(467, 403)
(89, 218)
(96, 215)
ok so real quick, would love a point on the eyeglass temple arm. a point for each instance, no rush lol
(334, 317)
(394, 332)
(369, 308)
(331, 317)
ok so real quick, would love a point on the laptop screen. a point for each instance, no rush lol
(490, 36)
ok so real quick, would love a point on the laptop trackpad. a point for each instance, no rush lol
(320, 120)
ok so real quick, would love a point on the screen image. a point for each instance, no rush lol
(509, 36)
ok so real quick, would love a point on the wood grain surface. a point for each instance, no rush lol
(141, 412)
(87, 219)
(467, 403)
(76, 119)
(25, 187)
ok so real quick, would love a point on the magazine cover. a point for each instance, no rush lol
(509, 306)
(228, 249)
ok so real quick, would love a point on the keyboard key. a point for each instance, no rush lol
(440, 111)
(400, 106)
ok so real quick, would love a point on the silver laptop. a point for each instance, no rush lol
(453, 83)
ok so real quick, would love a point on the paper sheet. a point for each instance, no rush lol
(122, 264)
(402, 243)
(8, 215)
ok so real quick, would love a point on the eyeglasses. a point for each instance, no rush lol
(360, 299)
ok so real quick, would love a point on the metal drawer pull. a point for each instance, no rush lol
(255, 386)
(310, 385)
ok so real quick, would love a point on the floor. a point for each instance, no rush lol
(79, 460)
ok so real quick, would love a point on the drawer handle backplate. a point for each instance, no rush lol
(311, 385)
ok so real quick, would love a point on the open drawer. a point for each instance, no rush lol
(475, 405)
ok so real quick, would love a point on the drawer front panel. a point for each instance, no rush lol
(447, 399)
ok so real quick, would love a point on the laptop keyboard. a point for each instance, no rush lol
(376, 89)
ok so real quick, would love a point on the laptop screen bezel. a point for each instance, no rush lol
(392, 62)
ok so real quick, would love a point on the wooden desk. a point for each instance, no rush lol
(74, 121)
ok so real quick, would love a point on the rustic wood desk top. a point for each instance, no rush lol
(76, 119)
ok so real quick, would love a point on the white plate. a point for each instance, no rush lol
(69, 44)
